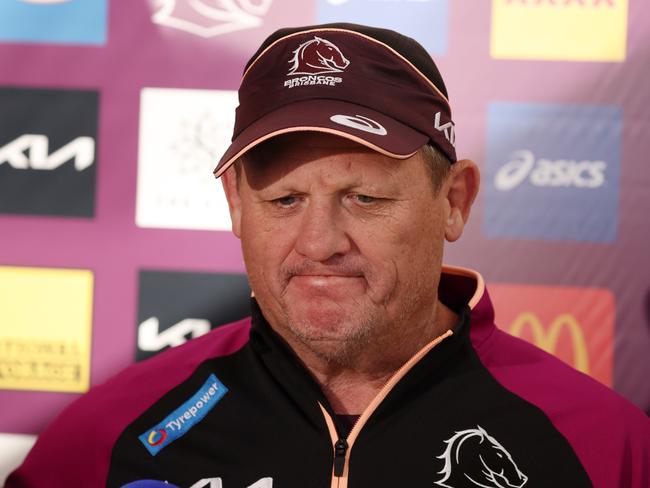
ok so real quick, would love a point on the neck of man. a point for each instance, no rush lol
(351, 385)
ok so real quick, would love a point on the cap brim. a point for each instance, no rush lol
(390, 137)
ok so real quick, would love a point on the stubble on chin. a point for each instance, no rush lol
(336, 336)
(341, 344)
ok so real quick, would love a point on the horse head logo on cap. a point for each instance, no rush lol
(474, 458)
(317, 56)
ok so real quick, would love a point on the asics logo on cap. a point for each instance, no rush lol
(360, 122)
(316, 57)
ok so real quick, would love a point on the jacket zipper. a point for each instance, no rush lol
(342, 447)
(340, 450)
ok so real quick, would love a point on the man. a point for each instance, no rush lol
(367, 363)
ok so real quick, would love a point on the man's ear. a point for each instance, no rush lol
(231, 189)
(461, 187)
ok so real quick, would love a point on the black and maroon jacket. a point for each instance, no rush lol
(235, 409)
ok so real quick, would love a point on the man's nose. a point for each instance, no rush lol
(322, 232)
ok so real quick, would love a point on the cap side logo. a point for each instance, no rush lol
(447, 129)
(360, 122)
(316, 57)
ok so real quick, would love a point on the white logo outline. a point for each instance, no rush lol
(327, 65)
(523, 166)
(451, 456)
(361, 123)
(32, 151)
(217, 483)
(226, 16)
(447, 129)
(151, 338)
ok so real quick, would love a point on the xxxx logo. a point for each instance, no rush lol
(582, 30)
(561, 3)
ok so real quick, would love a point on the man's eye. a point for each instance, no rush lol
(365, 199)
(285, 202)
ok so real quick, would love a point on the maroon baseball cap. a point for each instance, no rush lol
(372, 86)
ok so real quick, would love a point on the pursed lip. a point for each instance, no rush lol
(328, 274)
(326, 280)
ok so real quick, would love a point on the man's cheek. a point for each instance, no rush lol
(381, 279)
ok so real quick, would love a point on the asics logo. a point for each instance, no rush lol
(361, 123)
(549, 173)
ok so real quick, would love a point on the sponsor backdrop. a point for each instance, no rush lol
(114, 240)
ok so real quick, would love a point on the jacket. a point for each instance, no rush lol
(236, 409)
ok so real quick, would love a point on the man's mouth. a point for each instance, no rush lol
(327, 281)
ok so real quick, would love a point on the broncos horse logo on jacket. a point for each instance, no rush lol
(475, 458)
(317, 56)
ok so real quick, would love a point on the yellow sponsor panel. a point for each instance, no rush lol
(45, 329)
(547, 338)
(570, 30)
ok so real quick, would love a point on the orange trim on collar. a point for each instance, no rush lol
(469, 273)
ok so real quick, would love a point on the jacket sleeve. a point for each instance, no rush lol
(635, 465)
(609, 435)
(74, 451)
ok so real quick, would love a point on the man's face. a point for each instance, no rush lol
(342, 245)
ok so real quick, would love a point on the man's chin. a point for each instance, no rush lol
(331, 348)
(324, 319)
(329, 332)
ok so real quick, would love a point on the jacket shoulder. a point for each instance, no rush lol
(75, 449)
(610, 435)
